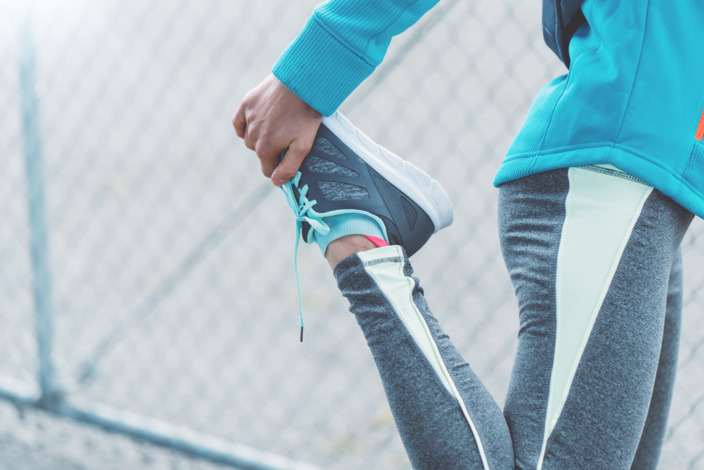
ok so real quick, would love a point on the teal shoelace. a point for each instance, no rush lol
(303, 210)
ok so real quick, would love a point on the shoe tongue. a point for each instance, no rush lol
(305, 228)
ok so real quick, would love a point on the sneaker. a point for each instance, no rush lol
(346, 173)
(348, 185)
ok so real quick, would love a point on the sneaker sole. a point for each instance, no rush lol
(411, 180)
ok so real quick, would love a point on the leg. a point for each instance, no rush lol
(590, 257)
(651, 441)
(531, 215)
(348, 187)
(445, 416)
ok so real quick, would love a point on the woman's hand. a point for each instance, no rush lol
(272, 120)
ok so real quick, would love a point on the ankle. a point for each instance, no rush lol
(346, 246)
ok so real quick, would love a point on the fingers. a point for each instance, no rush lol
(288, 167)
(239, 122)
(269, 154)
(270, 144)
(266, 146)
(272, 119)
(251, 135)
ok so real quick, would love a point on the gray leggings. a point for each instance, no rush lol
(593, 255)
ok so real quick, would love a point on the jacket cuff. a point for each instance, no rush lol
(320, 69)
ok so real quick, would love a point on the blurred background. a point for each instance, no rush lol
(147, 293)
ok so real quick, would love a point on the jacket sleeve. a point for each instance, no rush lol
(341, 45)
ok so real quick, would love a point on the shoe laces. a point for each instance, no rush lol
(302, 208)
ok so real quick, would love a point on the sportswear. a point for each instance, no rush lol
(561, 18)
(599, 329)
(346, 175)
(348, 185)
(633, 96)
(597, 350)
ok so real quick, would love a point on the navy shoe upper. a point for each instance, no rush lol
(338, 179)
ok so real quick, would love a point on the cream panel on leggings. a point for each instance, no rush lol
(601, 210)
(398, 289)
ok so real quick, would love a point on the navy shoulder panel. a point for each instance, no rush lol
(560, 20)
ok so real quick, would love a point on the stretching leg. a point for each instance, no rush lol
(445, 416)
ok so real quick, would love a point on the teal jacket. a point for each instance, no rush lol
(633, 96)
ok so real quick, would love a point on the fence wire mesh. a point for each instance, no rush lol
(173, 294)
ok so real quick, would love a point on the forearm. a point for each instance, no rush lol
(341, 45)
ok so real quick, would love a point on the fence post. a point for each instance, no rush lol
(39, 247)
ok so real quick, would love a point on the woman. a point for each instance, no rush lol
(596, 193)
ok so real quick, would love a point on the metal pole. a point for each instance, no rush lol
(39, 247)
(178, 438)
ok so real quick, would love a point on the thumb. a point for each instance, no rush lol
(288, 167)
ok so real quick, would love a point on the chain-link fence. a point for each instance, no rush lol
(160, 278)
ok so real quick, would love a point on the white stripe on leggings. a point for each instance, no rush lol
(398, 289)
(600, 213)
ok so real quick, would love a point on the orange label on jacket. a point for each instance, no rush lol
(700, 129)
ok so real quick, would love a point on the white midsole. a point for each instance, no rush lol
(415, 183)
